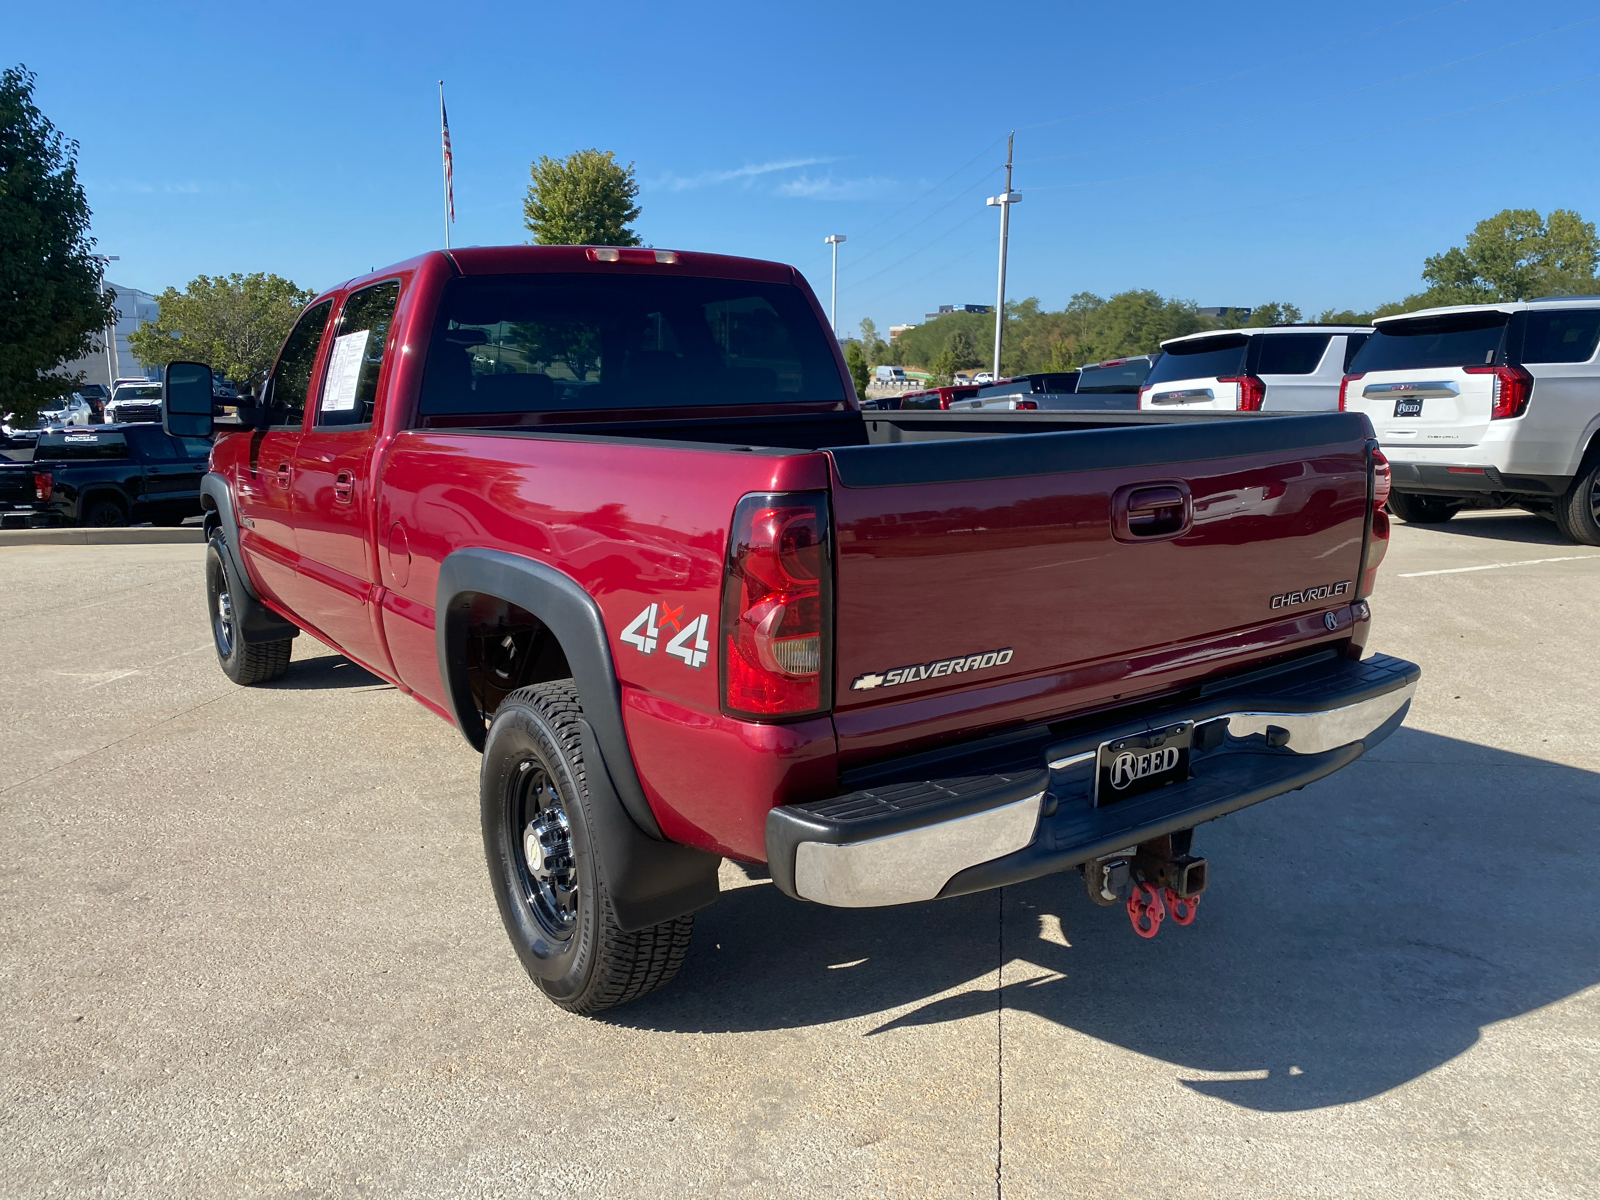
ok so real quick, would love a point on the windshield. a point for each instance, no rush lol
(1114, 378)
(1459, 340)
(584, 343)
(148, 391)
(1203, 358)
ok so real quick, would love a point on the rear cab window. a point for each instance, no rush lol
(1114, 378)
(515, 345)
(1473, 339)
(1203, 358)
(81, 445)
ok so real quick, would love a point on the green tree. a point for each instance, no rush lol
(1273, 312)
(50, 304)
(1515, 255)
(585, 199)
(856, 360)
(233, 322)
(1343, 316)
(872, 346)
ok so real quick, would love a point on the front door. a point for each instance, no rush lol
(333, 503)
(261, 485)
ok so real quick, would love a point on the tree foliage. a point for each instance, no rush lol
(855, 359)
(233, 322)
(50, 304)
(585, 199)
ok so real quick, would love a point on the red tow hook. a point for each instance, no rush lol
(1181, 909)
(1146, 910)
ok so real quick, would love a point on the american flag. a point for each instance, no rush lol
(449, 160)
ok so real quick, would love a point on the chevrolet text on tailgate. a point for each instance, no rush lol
(617, 514)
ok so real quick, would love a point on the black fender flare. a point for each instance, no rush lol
(254, 620)
(651, 879)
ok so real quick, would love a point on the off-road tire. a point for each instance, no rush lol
(1422, 510)
(533, 768)
(246, 663)
(104, 513)
(1577, 513)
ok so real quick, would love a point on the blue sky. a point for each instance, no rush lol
(1229, 153)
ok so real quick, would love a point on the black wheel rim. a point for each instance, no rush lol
(1594, 499)
(222, 627)
(541, 840)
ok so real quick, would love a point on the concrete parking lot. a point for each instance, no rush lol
(248, 948)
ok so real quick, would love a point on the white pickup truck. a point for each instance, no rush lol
(1488, 405)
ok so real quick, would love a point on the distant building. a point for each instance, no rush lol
(134, 308)
(896, 330)
(1222, 314)
(953, 308)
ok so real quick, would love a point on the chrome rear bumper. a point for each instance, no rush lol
(907, 841)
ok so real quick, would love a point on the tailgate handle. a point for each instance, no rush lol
(1147, 512)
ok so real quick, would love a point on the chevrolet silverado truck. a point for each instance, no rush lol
(617, 515)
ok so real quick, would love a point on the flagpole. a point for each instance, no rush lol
(444, 167)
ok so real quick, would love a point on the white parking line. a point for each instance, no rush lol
(1527, 562)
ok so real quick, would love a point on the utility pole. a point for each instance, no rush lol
(1004, 203)
(833, 239)
(113, 366)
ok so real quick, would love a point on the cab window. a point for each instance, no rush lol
(291, 378)
(350, 384)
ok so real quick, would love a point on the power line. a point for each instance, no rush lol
(1100, 112)
(1242, 162)
(1371, 87)
(982, 212)
(885, 245)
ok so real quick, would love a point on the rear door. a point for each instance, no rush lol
(1422, 381)
(997, 580)
(331, 493)
(172, 468)
(1190, 374)
(261, 484)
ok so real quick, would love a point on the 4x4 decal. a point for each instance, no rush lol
(688, 643)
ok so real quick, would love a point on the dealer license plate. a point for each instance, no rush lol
(1143, 762)
(1409, 407)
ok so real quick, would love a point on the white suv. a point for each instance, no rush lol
(1282, 368)
(1488, 405)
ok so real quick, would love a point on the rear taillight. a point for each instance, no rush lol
(1378, 534)
(1344, 388)
(1143, 392)
(1251, 391)
(777, 607)
(44, 485)
(1512, 387)
(1026, 405)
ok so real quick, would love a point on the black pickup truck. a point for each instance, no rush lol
(109, 475)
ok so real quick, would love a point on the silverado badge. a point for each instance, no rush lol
(920, 671)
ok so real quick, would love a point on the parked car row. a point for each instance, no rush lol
(105, 476)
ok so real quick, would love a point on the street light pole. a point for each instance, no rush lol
(833, 239)
(1003, 202)
(113, 365)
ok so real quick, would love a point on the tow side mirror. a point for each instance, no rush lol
(186, 400)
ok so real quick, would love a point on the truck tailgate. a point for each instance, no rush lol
(989, 581)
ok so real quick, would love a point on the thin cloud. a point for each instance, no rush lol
(682, 183)
(830, 187)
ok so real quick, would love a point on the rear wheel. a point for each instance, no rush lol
(246, 663)
(543, 862)
(1578, 512)
(104, 514)
(1422, 510)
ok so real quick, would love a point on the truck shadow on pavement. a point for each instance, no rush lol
(1356, 935)
(1519, 527)
(326, 672)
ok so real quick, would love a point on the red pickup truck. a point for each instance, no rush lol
(618, 516)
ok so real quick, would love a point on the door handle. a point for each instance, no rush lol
(284, 471)
(1151, 512)
(344, 487)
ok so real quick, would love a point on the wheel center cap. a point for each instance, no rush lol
(533, 849)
